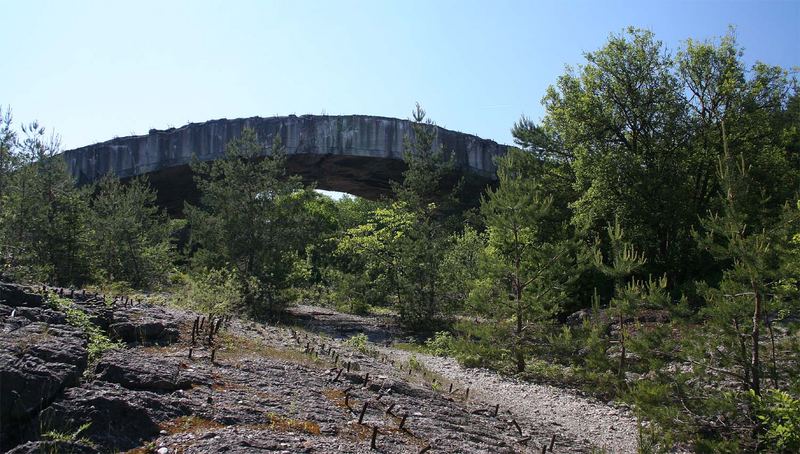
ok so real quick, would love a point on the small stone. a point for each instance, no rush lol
(162, 450)
(163, 432)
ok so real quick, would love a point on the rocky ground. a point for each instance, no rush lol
(181, 383)
(567, 413)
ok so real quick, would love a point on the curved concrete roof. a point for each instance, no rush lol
(357, 154)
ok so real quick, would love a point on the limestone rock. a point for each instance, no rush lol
(146, 372)
(121, 419)
(62, 447)
(37, 361)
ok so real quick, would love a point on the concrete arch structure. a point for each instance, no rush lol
(356, 154)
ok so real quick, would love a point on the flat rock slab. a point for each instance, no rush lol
(145, 325)
(136, 370)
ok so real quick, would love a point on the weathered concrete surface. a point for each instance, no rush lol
(357, 154)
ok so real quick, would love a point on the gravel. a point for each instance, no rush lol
(569, 414)
(574, 418)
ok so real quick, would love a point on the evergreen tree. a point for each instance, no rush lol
(243, 220)
(8, 160)
(44, 214)
(751, 284)
(409, 239)
(130, 235)
(524, 256)
(630, 295)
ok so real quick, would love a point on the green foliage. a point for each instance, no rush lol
(130, 236)
(430, 177)
(353, 292)
(482, 344)
(99, 342)
(621, 116)
(779, 414)
(359, 342)
(642, 132)
(751, 284)
(414, 363)
(526, 257)
(401, 250)
(441, 344)
(67, 437)
(461, 268)
(403, 245)
(210, 291)
(249, 219)
(51, 231)
(44, 216)
(8, 158)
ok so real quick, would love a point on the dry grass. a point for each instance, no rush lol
(234, 347)
(189, 424)
(283, 424)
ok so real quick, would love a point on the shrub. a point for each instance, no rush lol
(210, 291)
(477, 345)
(67, 437)
(358, 342)
(441, 344)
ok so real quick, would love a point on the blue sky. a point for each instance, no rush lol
(95, 70)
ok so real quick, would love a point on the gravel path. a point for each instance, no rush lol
(563, 411)
(557, 410)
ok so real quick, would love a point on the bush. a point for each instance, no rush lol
(478, 345)
(209, 291)
(358, 342)
(414, 363)
(441, 344)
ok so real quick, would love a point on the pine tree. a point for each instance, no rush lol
(750, 284)
(522, 255)
(130, 235)
(244, 221)
(624, 260)
(44, 214)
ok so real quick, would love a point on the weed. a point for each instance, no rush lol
(414, 363)
(185, 424)
(284, 424)
(67, 437)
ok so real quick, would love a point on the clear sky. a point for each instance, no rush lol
(95, 70)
